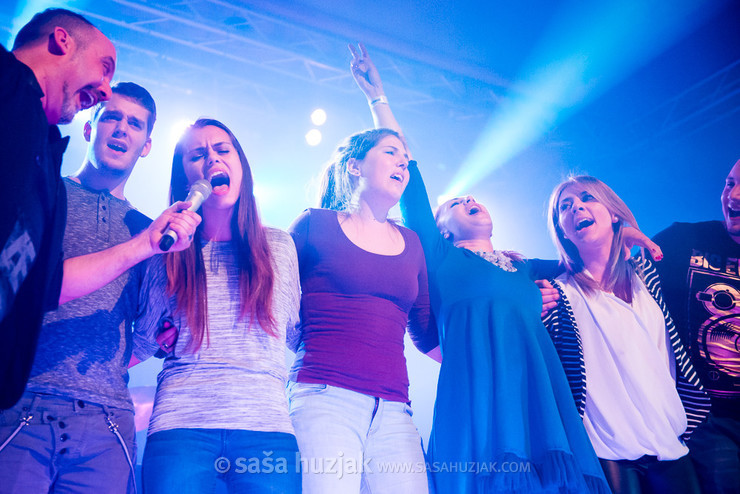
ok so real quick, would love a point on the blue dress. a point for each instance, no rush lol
(504, 417)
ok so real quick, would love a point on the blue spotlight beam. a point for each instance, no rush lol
(587, 51)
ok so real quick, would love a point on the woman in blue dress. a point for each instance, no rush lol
(504, 418)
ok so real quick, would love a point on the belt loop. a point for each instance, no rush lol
(32, 407)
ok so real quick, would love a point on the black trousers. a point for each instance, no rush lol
(648, 475)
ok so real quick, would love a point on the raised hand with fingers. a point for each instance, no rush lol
(365, 74)
(368, 80)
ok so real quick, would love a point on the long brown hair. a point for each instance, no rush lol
(618, 274)
(186, 275)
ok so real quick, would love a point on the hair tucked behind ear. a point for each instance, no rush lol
(337, 184)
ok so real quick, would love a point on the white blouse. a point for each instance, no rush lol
(632, 406)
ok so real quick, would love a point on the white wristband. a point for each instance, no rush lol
(378, 100)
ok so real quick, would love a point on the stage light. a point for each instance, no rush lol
(443, 198)
(313, 137)
(318, 117)
(586, 51)
(177, 129)
(263, 193)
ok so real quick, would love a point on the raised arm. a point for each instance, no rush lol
(368, 80)
(88, 273)
(415, 207)
(417, 215)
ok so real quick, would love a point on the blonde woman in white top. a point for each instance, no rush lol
(630, 376)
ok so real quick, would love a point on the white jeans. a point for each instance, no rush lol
(350, 442)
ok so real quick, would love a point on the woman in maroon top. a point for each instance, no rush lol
(364, 280)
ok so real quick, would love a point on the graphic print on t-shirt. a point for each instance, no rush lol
(16, 259)
(714, 308)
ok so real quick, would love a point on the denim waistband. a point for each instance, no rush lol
(43, 405)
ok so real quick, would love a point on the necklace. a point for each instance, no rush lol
(498, 258)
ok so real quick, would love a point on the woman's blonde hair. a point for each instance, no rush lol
(618, 274)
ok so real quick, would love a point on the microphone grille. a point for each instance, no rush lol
(202, 186)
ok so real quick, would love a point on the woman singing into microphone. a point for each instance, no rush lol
(233, 294)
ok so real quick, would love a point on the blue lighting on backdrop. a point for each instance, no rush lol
(589, 49)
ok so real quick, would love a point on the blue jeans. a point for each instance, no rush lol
(184, 461)
(67, 446)
(351, 442)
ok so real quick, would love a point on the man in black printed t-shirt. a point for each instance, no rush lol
(700, 274)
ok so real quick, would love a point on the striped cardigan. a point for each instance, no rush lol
(561, 325)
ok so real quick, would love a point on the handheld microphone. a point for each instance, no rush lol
(199, 192)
